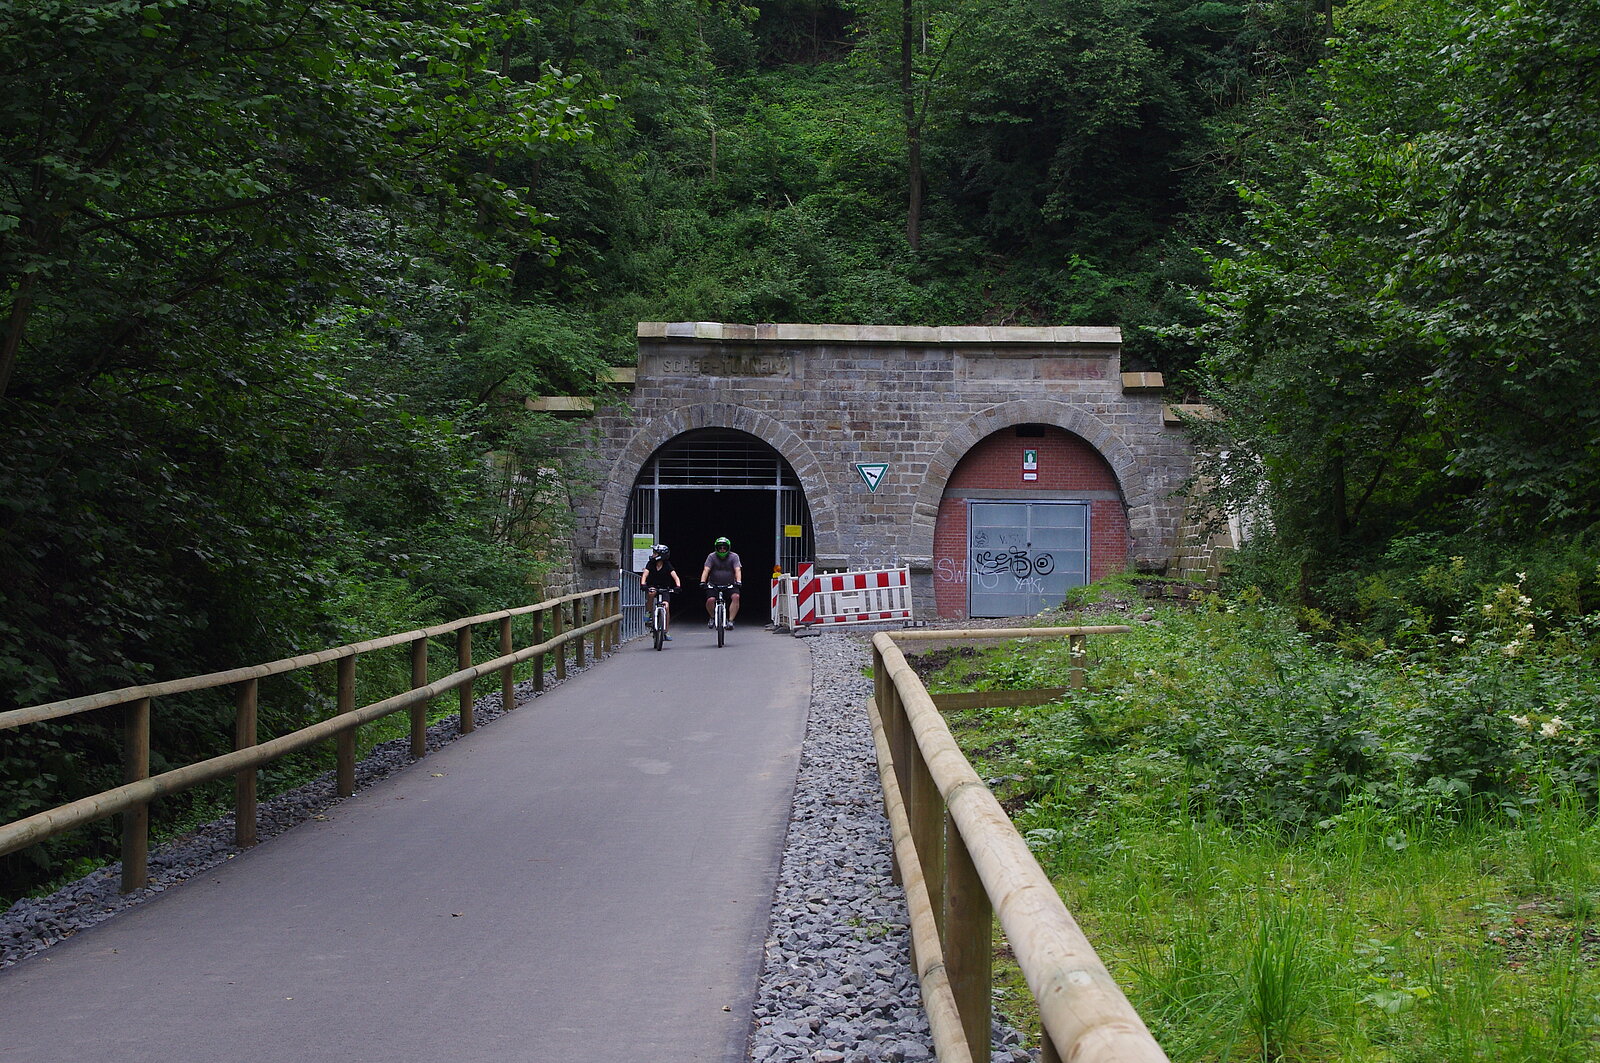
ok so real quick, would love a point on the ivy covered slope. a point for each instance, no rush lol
(950, 161)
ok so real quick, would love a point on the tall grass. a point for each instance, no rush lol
(1287, 855)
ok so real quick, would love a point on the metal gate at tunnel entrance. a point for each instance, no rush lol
(714, 482)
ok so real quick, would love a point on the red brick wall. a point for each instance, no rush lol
(1066, 463)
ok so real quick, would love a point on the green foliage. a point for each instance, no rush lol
(720, 191)
(1252, 722)
(1286, 852)
(251, 350)
(1400, 337)
(1279, 982)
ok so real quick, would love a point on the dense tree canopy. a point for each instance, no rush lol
(239, 412)
(209, 208)
(1403, 335)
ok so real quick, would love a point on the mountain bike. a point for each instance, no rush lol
(660, 614)
(719, 616)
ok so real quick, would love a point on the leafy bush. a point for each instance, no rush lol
(1273, 728)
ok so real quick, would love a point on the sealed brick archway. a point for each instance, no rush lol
(1023, 468)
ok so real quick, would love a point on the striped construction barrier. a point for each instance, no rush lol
(805, 605)
(866, 597)
(862, 597)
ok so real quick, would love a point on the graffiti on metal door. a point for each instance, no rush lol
(1018, 561)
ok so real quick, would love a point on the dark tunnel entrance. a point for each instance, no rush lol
(715, 482)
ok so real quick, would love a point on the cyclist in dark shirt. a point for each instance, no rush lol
(722, 568)
(659, 576)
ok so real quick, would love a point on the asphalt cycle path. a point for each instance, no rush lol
(587, 877)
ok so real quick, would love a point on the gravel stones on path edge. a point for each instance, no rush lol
(837, 985)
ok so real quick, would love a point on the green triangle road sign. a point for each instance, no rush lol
(872, 473)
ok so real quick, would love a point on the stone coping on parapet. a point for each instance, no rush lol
(984, 335)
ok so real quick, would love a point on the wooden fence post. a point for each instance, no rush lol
(613, 610)
(464, 661)
(538, 658)
(244, 784)
(925, 809)
(508, 682)
(580, 616)
(559, 618)
(136, 821)
(883, 694)
(345, 744)
(968, 942)
(901, 741)
(1078, 645)
(419, 711)
(597, 611)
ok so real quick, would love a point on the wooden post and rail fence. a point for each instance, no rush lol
(594, 615)
(963, 863)
(957, 854)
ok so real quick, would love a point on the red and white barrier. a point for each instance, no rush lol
(863, 597)
(805, 607)
(868, 597)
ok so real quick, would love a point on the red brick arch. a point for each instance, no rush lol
(1068, 468)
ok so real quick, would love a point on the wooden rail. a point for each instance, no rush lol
(963, 863)
(595, 615)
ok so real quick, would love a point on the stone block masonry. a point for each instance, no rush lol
(920, 401)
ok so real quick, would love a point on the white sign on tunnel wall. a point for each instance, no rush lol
(1022, 557)
(872, 473)
(641, 550)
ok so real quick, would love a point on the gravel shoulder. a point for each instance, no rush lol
(838, 986)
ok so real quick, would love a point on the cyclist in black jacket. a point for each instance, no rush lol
(659, 576)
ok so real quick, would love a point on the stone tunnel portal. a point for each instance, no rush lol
(851, 437)
(719, 481)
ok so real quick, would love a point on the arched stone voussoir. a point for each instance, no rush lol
(1132, 477)
(651, 435)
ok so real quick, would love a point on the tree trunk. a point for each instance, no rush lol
(914, 180)
(913, 128)
(16, 324)
(1340, 504)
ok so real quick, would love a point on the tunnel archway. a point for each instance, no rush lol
(720, 481)
(1029, 512)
